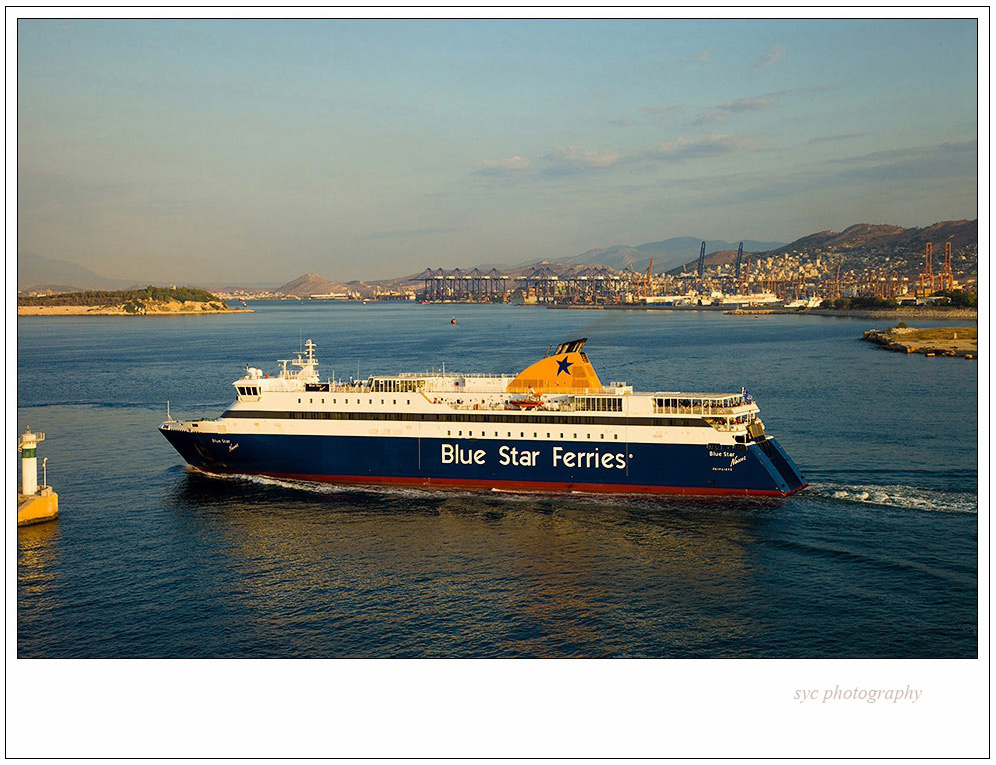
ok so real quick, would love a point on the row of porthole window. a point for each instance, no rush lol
(508, 434)
(346, 401)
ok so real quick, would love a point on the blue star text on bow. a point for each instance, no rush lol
(564, 366)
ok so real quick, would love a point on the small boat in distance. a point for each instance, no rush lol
(552, 427)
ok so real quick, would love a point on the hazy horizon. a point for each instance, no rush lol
(192, 151)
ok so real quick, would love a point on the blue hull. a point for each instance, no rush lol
(759, 468)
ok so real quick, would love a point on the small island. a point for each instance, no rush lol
(930, 341)
(151, 301)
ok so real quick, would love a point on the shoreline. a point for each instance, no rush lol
(927, 341)
(902, 313)
(84, 310)
(905, 312)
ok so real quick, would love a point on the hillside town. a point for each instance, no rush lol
(862, 267)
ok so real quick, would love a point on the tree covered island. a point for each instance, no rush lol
(151, 301)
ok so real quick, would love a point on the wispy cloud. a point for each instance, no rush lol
(662, 111)
(909, 153)
(621, 122)
(574, 159)
(747, 105)
(723, 111)
(701, 56)
(406, 233)
(711, 117)
(772, 55)
(684, 149)
(841, 137)
(759, 103)
(499, 168)
(578, 160)
(895, 171)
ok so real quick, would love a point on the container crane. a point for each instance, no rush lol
(945, 279)
(927, 277)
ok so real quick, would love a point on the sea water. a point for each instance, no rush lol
(876, 558)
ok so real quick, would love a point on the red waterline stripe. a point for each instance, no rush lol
(540, 486)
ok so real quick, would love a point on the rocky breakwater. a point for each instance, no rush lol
(930, 341)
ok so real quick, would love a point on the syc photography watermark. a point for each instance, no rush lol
(906, 695)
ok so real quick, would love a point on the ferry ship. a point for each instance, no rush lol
(553, 427)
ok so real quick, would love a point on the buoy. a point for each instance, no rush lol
(453, 321)
(35, 504)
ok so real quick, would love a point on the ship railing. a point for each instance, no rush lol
(437, 375)
(700, 405)
(693, 409)
(726, 425)
(338, 386)
(487, 406)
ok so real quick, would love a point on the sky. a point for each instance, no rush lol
(236, 151)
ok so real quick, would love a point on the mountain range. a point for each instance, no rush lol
(38, 273)
(666, 254)
(961, 233)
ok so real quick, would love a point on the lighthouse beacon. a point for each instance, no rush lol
(35, 503)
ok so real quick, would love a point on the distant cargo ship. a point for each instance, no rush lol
(552, 427)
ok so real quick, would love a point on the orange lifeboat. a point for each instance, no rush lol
(526, 403)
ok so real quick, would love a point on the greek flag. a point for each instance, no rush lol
(747, 397)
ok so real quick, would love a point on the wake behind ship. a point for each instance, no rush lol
(553, 427)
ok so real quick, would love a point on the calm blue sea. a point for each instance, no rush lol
(877, 558)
